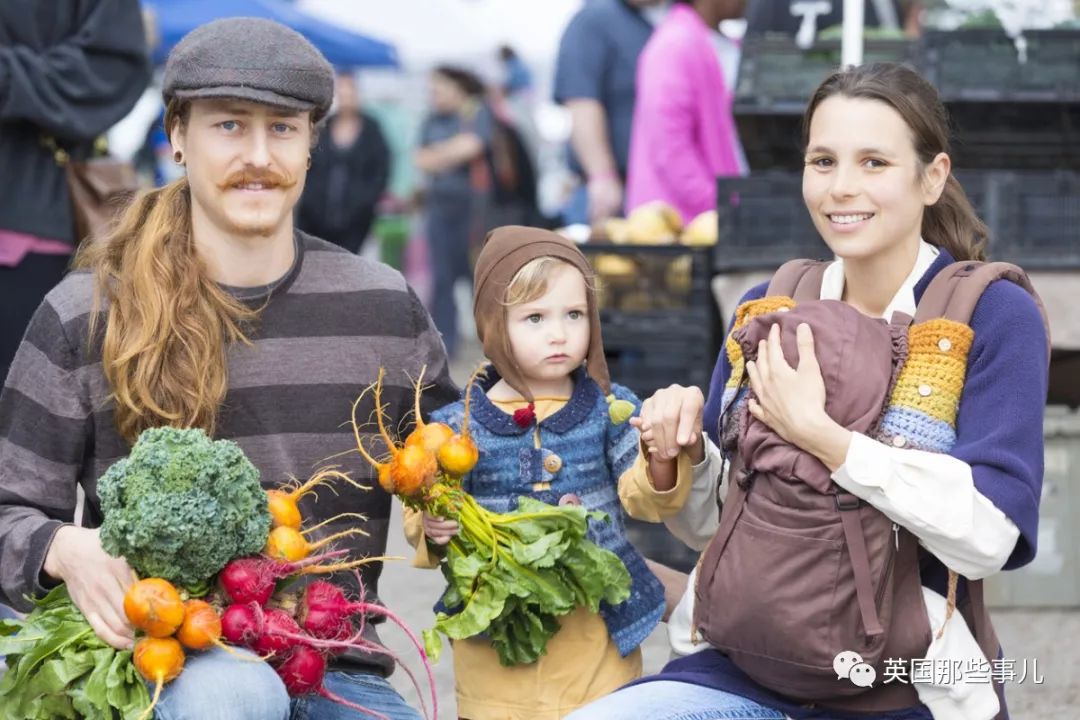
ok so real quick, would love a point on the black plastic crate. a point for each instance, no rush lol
(776, 80)
(660, 322)
(985, 64)
(1011, 135)
(645, 368)
(764, 222)
(775, 73)
(1034, 218)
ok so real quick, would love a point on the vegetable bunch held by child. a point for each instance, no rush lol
(510, 575)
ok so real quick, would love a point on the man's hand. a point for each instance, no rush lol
(95, 580)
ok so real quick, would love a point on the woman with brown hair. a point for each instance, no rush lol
(954, 462)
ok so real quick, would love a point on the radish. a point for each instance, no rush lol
(253, 579)
(279, 631)
(242, 624)
(303, 672)
(324, 607)
(282, 502)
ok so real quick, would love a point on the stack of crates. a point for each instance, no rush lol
(660, 326)
(659, 321)
(1052, 579)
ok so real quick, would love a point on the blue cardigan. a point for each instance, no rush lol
(998, 433)
(593, 454)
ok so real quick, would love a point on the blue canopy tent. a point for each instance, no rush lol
(175, 18)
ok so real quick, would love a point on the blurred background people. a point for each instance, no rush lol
(455, 140)
(684, 134)
(350, 170)
(595, 80)
(69, 69)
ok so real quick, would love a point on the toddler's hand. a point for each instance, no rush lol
(439, 530)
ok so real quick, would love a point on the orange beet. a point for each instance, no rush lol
(158, 660)
(412, 469)
(154, 606)
(202, 626)
(458, 455)
(430, 436)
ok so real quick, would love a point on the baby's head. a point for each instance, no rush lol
(535, 308)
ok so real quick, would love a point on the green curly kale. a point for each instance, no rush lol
(181, 506)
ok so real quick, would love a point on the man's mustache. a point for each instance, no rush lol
(257, 176)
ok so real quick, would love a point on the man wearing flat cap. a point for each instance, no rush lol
(206, 308)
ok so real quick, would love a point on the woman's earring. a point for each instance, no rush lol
(308, 162)
(178, 157)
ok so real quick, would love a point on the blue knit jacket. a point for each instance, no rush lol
(594, 453)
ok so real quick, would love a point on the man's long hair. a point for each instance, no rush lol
(167, 324)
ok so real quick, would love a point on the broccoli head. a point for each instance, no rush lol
(181, 506)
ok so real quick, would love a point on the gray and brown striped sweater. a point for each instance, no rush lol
(323, 332)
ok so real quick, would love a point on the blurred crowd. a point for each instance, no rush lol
(647, 86)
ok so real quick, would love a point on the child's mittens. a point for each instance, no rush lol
(619, 410)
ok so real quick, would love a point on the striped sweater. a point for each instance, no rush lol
(327, 327)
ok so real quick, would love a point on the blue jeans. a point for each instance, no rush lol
(217, 686)
(669, 700)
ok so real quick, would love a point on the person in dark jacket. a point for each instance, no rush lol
(350, 170)
(69, 69)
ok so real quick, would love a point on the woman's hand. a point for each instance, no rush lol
(96, 581)
(791, 401)
(670, 421)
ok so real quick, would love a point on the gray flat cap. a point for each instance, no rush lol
(250, 59)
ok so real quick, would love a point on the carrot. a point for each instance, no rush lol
(284, 511)
(154, 606)
(158, 660)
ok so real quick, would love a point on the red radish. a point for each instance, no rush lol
(330, 607)
(303, 672)
(283, 501)
(278, 633)
(326, 624)
(242, 624)
(253, 579)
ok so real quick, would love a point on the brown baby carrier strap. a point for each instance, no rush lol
(796, 574)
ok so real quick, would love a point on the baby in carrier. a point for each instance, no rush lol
(875, 605)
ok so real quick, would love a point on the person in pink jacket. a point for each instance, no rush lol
(683, 135)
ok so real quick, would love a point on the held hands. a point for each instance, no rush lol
(670, 422)
(791, 401)
(439, 530)
(95, 580)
